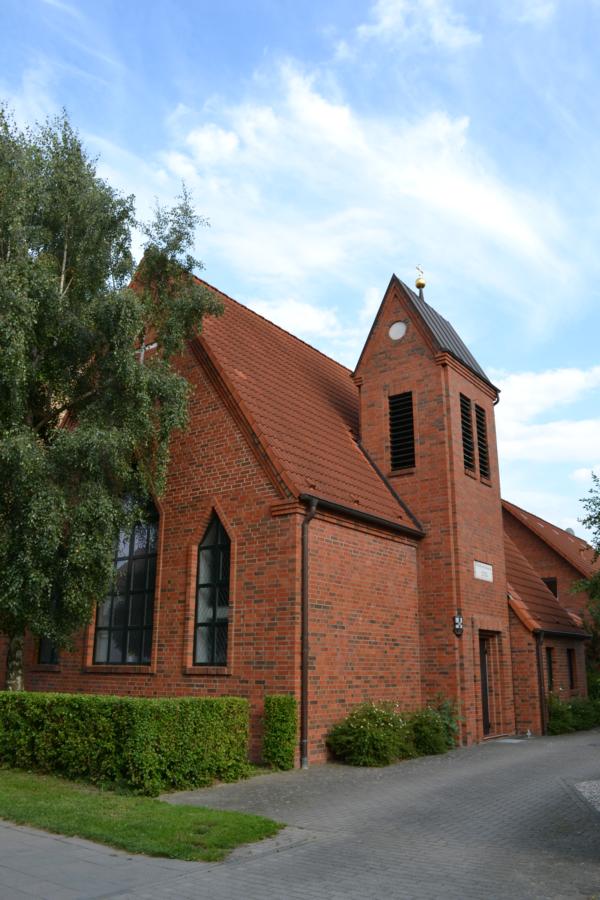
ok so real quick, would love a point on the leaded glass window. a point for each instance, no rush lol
(212, 596)
(124, 619)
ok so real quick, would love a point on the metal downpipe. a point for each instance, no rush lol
(304, 637)
(539, 637)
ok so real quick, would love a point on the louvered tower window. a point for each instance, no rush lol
(402, 431)
(482, 443)
(466, 423)
(212, 596)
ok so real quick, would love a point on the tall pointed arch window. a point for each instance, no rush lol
(124, 620)
(212, 596)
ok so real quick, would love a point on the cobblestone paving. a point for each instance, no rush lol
(501, 820)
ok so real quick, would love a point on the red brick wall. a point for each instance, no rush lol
(364, 642)
(389, 368)
(560, 667)
(363, 591)
(547, 563)
(461, 514)
(525, 678)
(212, 466)
(479, 537)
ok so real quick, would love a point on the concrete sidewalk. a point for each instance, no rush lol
(501, 820)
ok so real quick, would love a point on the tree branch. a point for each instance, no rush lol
(64, 268)
(70, 281)
(65, 408)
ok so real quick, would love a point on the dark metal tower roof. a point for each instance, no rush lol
(444, 334)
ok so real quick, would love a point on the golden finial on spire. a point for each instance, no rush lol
(420, 282)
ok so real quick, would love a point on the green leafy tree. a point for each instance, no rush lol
(85, 418)
(591, 585)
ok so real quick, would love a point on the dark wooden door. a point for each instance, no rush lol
(485, 695)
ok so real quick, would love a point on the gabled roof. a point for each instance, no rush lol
(443, 335)
(574, 549)
(535, 605)
(303, 408)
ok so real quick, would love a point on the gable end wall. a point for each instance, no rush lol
(212, 466)
(547, 563)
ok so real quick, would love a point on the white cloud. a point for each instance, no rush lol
(299, 317)
(560, 440)
(370, 305)
(530, 396)
(32, 100)
(535, 12)
(304, 185)
(584, 475)
(211, 144)
(402, 20)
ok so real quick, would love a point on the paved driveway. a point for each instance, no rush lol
(502, 820)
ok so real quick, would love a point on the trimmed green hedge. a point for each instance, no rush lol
(280, 731)
(146, 745)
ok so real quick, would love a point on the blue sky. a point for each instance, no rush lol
(333, 143)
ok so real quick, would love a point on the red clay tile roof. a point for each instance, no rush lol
(574, 549)
(303, 406)
(532, 601)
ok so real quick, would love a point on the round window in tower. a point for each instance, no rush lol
(397, 331)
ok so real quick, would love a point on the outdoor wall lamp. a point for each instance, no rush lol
(458, 625)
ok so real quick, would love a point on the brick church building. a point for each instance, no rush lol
(338, 536)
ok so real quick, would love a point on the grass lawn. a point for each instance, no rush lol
(135, 824)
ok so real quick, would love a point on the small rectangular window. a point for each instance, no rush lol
(550, 669)
(482, 443)
(572, 669)
(402, 431)
(466, 424)
(47, 652)
(552, 585)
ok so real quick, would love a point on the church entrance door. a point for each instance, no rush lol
(484, 650)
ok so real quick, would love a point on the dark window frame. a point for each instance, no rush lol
(140, 566)
(47, 652)
(550, 668)
(468, 437)
(212, 581)
(572, 668)
(401, 419)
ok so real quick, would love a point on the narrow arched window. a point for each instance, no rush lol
(212, 596)
(124, 620)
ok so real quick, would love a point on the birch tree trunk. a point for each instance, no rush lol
(14, 664)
